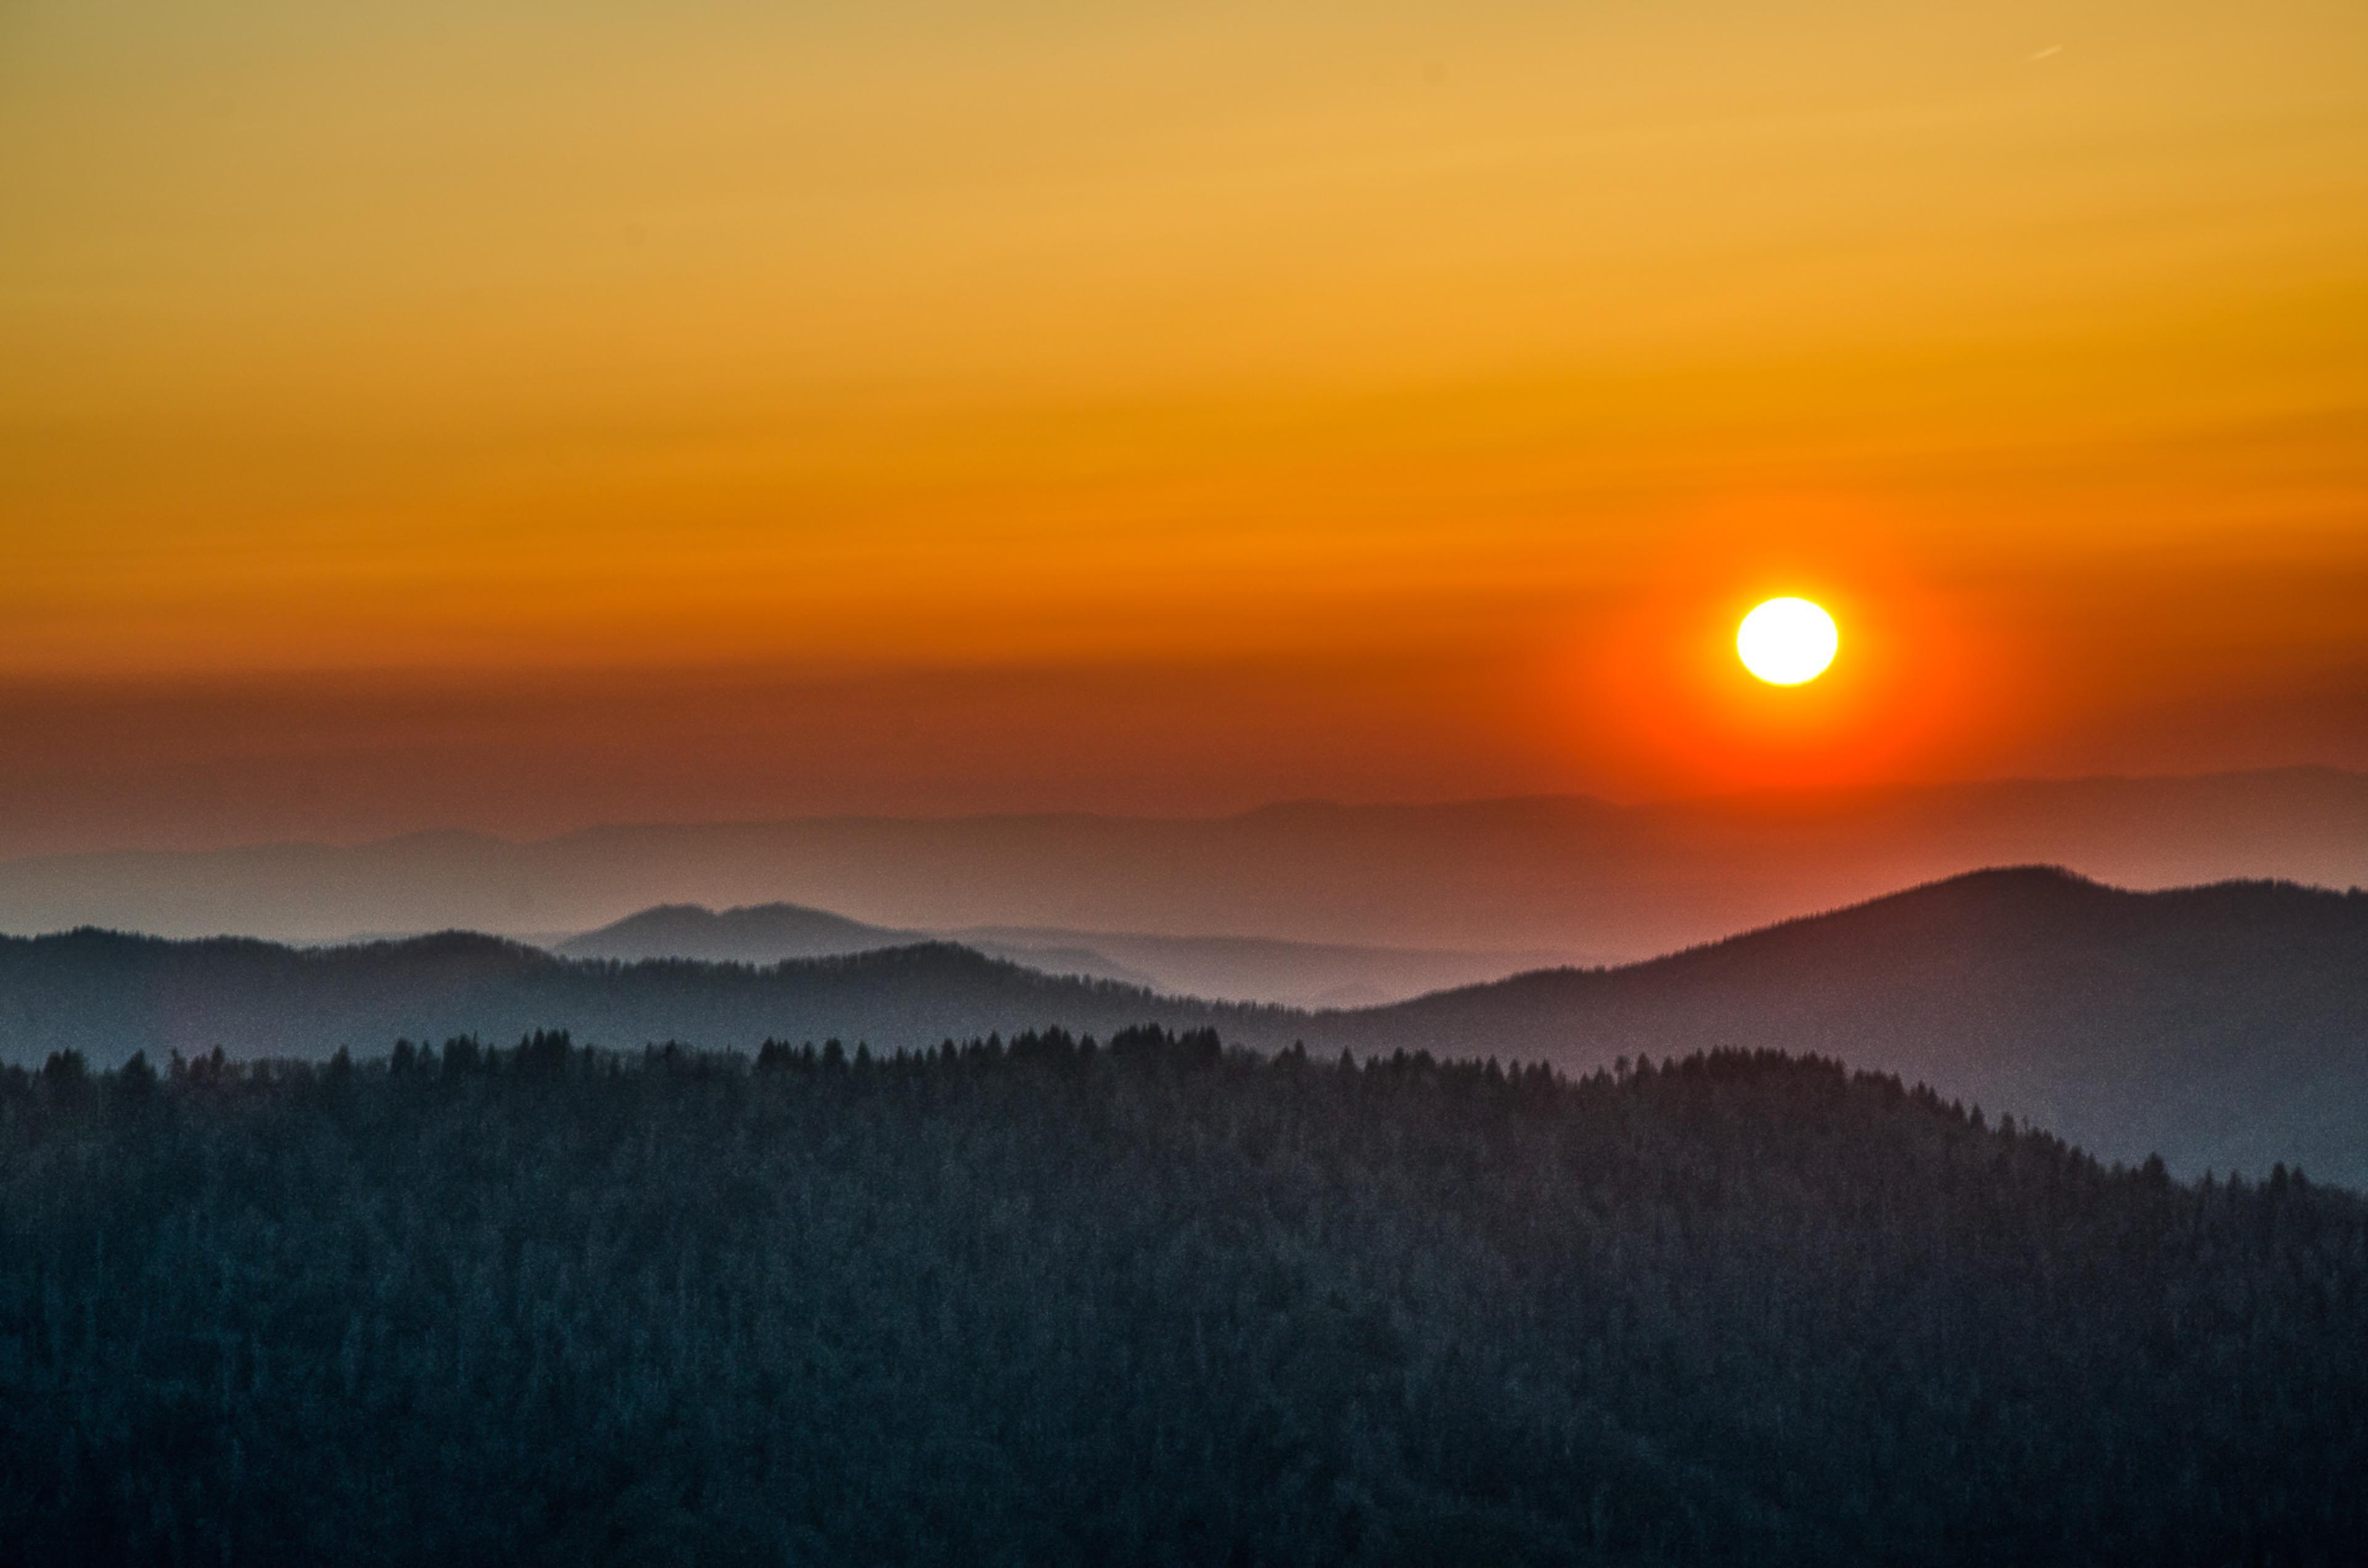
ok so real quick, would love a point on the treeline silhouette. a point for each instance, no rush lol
(1142, 1301)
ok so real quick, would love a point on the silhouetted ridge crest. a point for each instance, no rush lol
(763, 934)
(2223, 1026)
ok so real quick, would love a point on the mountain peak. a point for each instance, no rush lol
(755, 933)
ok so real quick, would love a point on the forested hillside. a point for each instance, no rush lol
(2222, 1026)
(1141, 1303)
(109, 995)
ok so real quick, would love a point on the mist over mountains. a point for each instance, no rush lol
(775, 933)
(1217, 968)
(1564, 874)
(2221, 1027)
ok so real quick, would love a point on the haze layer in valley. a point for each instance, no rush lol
(1219, 969)
(1564, 875)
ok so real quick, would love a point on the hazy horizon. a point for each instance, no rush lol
(1828, 796)
(1563, 874)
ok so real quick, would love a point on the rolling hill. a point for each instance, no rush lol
(107, 995)
(774, 933)
(1222, 968)
(2223, 1026)
(758, 934)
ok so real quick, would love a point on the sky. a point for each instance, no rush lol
(516, 416)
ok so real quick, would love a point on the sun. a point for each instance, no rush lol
(1786, 642)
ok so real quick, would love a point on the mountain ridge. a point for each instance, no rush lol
(1214, 968)
(2221, 1026)
(2177, 1017)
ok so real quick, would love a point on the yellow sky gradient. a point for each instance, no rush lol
(513, 335)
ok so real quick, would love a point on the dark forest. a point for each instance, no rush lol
(1144, 1301)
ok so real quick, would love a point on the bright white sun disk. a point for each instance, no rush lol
(1786, 642)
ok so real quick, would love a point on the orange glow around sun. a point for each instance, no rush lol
(1928, 679)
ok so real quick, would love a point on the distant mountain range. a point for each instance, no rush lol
(1221, 969)
(2222, 1026)
(1563, 875)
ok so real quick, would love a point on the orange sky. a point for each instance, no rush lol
(514, 414)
